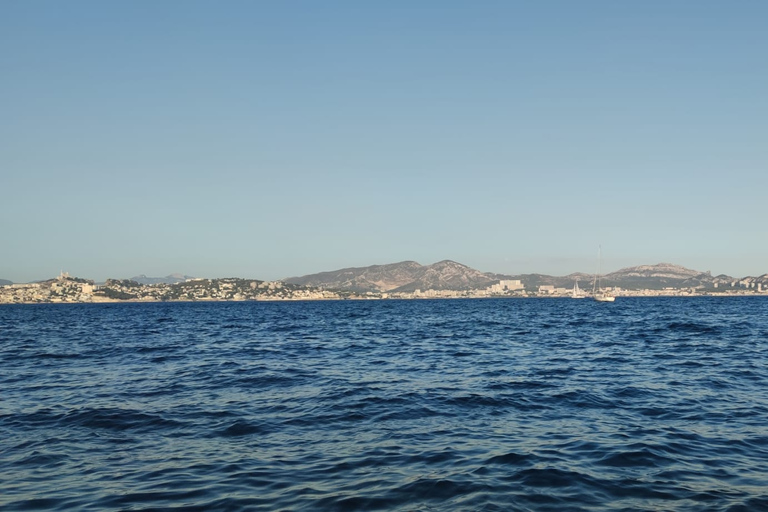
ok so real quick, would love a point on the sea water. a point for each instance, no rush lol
(510, 404)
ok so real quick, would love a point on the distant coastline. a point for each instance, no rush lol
(68, 289)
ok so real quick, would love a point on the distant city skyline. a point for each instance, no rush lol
(270, 140)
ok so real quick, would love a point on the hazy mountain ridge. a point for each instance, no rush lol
(660, 270)
(449, 275)
(408, 276)
(662, 275)
(405, 276)
(5, 282)
(362, 279)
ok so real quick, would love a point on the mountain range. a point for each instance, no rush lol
(408, 276)
(405, 276)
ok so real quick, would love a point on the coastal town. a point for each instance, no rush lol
(69, 289)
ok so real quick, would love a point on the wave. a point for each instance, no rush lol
(455, 405)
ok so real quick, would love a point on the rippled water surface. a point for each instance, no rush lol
(643, 404)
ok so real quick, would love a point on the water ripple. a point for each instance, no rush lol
(561, 405)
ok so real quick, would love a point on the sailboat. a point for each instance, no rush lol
(577, 292)
(598, 293)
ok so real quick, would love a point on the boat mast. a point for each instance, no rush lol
(596, 280)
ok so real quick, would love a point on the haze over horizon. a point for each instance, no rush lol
(269, 140)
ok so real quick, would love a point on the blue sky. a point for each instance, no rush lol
(272, 139)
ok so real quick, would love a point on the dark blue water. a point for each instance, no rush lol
(563, 405)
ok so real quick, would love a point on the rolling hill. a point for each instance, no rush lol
(407, 276)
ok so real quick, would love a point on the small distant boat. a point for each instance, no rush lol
(577, 292)
(603, 297)
(598, 293)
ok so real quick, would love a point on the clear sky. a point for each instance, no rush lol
(272, 139)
